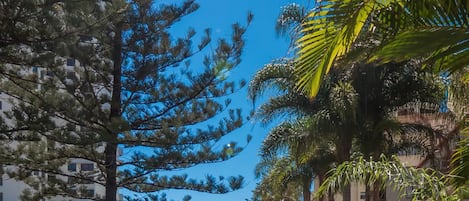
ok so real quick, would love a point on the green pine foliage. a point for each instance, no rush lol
(129, 85)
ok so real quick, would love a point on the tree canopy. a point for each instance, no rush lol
(101, 77)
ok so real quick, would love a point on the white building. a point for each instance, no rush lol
(11, 190)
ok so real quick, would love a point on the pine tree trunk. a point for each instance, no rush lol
(111, 144)
(111, 172)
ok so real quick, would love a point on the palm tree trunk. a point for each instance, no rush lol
(376, 191)
(367, 192)
(330, 196)
(306, 188)
(320, 181)
(343, 148)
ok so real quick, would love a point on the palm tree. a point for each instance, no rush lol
(330, 114)
(339, 31)
(381, 90)
(290, 155)
(297, 140)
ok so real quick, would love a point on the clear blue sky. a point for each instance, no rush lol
(262, 46)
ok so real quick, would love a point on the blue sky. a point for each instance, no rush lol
(262, 46)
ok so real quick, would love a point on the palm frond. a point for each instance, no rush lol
(328, 34)
(288, 105)
(345, 100)
(275, 76)
(278, 139)
(417, 43)
(426, 183)
(290, 19)
(435, 30)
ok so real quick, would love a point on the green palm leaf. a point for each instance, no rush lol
(436, 30)
(328, 34)
(421, 43)
(426, 183)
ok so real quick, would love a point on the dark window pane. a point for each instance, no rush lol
(70, 62)
(87, 167)
(71, 75)
(72, 167)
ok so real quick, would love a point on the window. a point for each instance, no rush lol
(0, 105)
(1, 180)
(72, 167)
(1, 196)
(70, 62)
(71, 75)
(34, 69)
(85, 38)
(87, 167)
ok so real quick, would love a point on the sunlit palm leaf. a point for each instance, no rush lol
(436, 30)
(328, 34)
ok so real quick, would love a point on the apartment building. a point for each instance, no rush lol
(11, 190)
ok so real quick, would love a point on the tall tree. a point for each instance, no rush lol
(133, 88)
(349, 107)
(315, 122)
